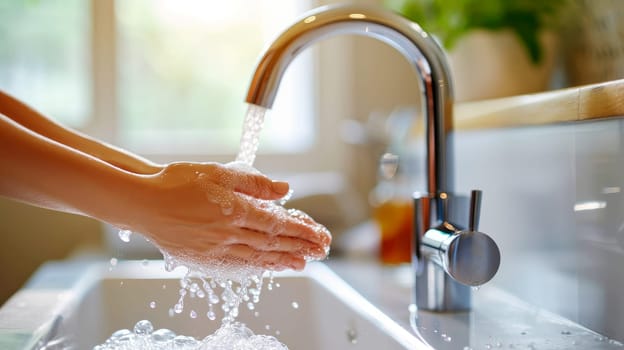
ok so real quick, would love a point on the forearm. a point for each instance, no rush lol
(43, 172)
(38, 123)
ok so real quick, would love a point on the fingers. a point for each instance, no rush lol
(208, 239)
(249, 181)
(237, 179)
(214, 244)
(275, 261)
(259, 186)
(263, 242)
(275, 220)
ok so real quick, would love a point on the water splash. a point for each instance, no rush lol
(227, 284)
(229, 336)
(124, 235)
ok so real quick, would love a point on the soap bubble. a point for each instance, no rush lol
(143, 327)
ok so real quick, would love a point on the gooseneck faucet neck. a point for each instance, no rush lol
(421, 50)
(447, 259)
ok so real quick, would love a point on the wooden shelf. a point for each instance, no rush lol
(590, 102)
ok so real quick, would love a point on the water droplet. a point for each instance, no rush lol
(523, 333)
(124, 235)
(143, 327)
(193, 314)
(352, 336)
(282, 201)
(475, 288)
(170, 264)
(256, 314)
(499, 344)
(295, 305)
(488, 346)
(144, 263)
(113, 261)
(152, 304)
(211, 315)
(267, 327)
(467, 348)
(178, 308)
(277, 332)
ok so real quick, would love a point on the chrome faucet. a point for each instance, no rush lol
(447, 259)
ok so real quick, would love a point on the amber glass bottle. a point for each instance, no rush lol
(395, 220)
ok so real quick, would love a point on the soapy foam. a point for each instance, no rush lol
(234, 336)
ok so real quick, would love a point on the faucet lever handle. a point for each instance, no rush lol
(475, 210)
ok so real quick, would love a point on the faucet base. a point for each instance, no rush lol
(437, 291)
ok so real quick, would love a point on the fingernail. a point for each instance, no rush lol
(280, 187)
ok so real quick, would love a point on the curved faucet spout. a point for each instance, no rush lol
(446, 258)
(420, 49)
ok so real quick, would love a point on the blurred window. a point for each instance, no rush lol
(184, 68)
(44, 56)
(179, 70)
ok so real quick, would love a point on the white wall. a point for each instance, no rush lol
(554, 202)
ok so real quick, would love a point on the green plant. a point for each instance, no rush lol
(451, 19)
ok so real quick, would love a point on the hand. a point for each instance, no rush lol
(206, 213)
(197, 212)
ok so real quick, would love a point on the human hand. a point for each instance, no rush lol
(207, 213)
(200, 212)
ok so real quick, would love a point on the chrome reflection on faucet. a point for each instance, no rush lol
(447, 259)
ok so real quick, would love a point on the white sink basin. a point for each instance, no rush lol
(498, 319)
(89, 302)
(84, 303)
